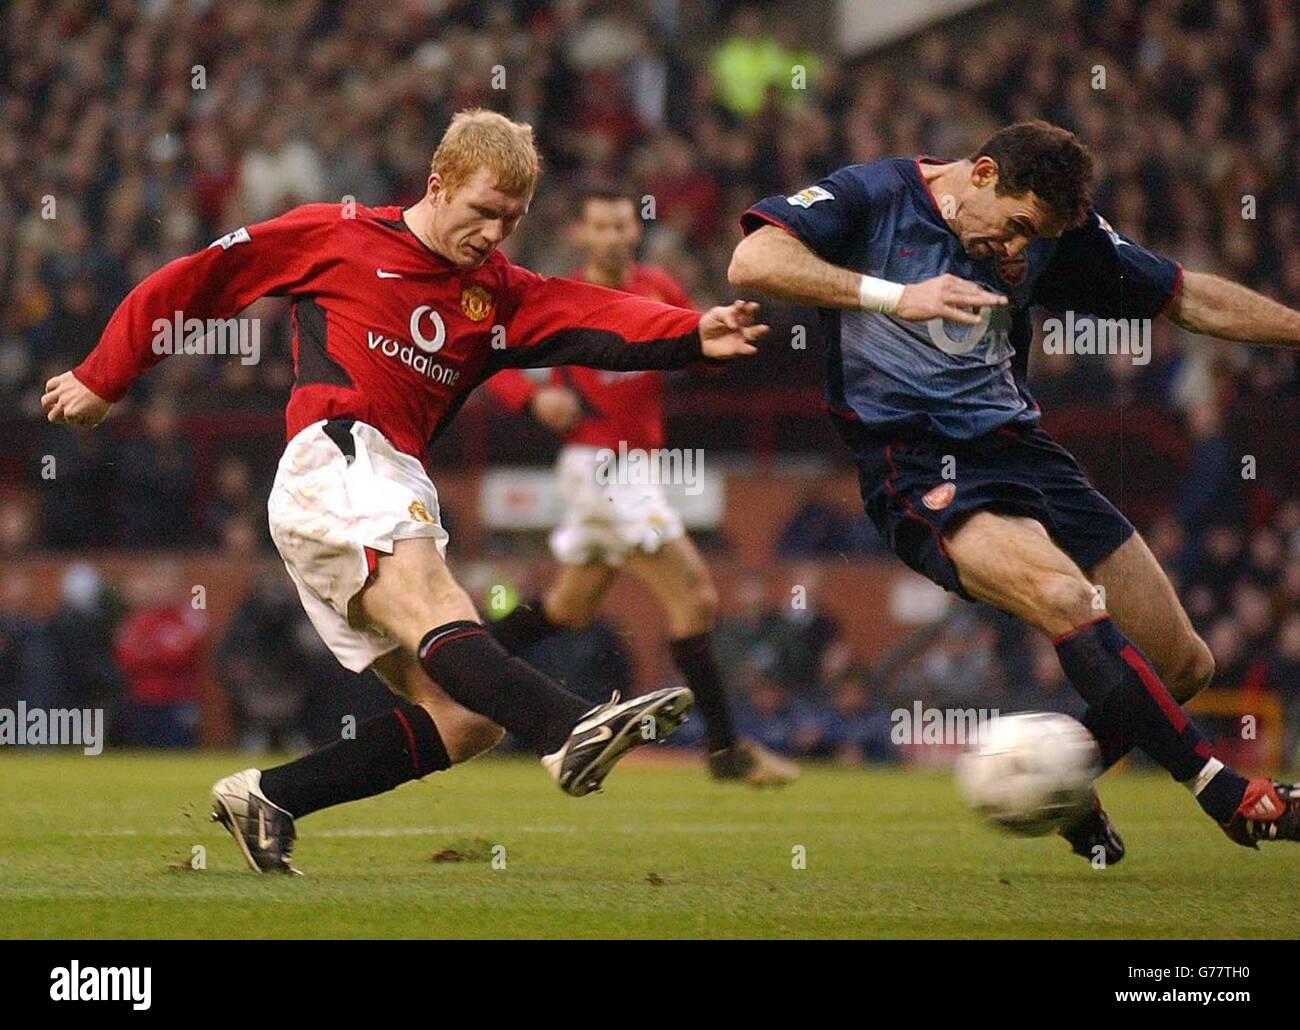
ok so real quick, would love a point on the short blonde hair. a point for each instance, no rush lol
(478, 138)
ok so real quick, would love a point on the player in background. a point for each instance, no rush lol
(1019, 527)
(609, 525)
(397, 315)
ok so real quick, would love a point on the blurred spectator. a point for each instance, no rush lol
(27, 657)
(159, 646)
(822, 529)
(795, 644)
(17, 523)
(262, 665)
(1283, 678)
(79, 488)
(854, 727)
(235, 509)
(773, 717)
(157, 476)
(82, 633)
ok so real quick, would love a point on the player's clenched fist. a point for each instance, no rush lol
(71, 402)
(729, 330)
(945, 296)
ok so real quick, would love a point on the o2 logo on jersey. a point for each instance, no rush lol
(993, 329)
(426, 315)
(955, 338)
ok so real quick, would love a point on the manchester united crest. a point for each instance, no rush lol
(476, 302)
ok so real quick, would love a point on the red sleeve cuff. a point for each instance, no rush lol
(755, 219)
(96, 385)
(1177, 288)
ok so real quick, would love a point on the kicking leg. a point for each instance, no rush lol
(1011, 563)
(414, 598)
(683, 585)
(1143, 604)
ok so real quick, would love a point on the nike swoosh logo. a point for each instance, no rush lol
(387, 275)
(599, 736)
(263, 841)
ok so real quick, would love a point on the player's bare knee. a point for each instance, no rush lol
(1194, 671)
(1065, 601)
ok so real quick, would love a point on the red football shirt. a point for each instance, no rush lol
(385, 330)
(616, 406)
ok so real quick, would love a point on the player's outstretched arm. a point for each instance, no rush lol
(1214, 306)
(278, 257)
(556, 321)
(771, 261)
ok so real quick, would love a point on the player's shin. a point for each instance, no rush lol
(1130, 707)
(388, 750)
(475, 670)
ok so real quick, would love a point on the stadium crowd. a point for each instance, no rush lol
(131, 133)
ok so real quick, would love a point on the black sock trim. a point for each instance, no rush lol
(440, 636)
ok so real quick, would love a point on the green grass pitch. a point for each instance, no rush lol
(103, 847)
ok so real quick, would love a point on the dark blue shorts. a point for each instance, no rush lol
(915, 484)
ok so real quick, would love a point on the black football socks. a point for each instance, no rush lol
(693, 656)
(1128, 706)
(694, 659)
(388, 750)
(478, 673)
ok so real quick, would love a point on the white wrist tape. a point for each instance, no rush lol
(879, 295)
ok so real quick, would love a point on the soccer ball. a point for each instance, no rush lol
(1030, 773)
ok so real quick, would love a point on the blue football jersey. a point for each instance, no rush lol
(881, 219)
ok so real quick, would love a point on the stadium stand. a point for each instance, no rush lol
(134, 133)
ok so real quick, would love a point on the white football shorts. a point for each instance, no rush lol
(328, 507)
(607, 521)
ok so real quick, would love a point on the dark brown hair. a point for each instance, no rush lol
(1046, 159)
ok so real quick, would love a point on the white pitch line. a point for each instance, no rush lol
(434, 831)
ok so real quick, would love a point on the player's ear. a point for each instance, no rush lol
(435, 186)
(984, 172)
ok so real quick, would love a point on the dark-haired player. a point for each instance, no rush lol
(398, 314)
(610, 523)
(1019, 526)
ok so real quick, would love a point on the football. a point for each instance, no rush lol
(1030, 773)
